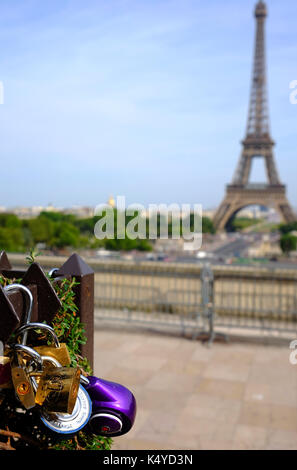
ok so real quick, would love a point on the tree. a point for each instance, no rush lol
(288, 243)
(58, 217)
(287, 228)
(66, 234)
(207, 225)
(10, 221)
(42, 229)
(11, 239)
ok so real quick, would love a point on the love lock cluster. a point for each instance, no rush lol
(41, 377)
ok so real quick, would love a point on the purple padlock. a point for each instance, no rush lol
(113, 407)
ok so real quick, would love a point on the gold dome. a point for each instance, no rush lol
(111, 201)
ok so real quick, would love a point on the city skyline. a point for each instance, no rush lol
(143, 99)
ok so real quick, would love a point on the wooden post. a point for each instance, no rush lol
(4, 261)
(13, 304)
(84, 298)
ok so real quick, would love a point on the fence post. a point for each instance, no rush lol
(4, 261)
(207, 280)
(84, 298)
(207, 301)
(12, 304)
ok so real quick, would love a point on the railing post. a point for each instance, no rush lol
(207, 280)
(12, 304)
(207, 295)
(4, 261)
(84, 298)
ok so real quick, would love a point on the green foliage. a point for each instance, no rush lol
(288, 243)
(59, 217)
(31, 258)
(85, 441)
(9, 221)
(70, 330)
(241, 223)
(127, 244)
(86, 226)
(41, 229)
(11, 234)
(67, 324)
(207, 225)
(12, 239)
(55, 230)
(66, 235)
(287, 228)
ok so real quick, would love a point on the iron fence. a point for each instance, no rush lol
(201, 298)
(193, 297)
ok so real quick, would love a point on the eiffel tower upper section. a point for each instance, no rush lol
(257, 141)
(258, 118)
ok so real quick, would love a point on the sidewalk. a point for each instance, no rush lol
(229, 396)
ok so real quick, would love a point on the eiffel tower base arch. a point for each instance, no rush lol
(237, 197)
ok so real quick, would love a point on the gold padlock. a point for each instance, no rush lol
(20, 377)
(58, 351)
(58, 388)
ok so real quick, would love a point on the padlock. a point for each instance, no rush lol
(21, 380)
(19, 374)
(113, 407)
(70, 424)
(64, 423)
(58, 351)
(47, 362)
(52, 272)
(57, 386)
(5, 359)
(58, 389)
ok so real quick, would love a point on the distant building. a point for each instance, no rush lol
(82, 212)
(266, 248)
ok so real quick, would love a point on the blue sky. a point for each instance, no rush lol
(142, 98)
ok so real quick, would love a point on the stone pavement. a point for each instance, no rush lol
(234, 395)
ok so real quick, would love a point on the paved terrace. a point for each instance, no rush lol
(240, 395)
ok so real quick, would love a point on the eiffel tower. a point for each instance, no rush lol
(257, 143)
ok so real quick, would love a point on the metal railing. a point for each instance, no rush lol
(265, 300)
(199, 298)
(149, 293)
(190, 296)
